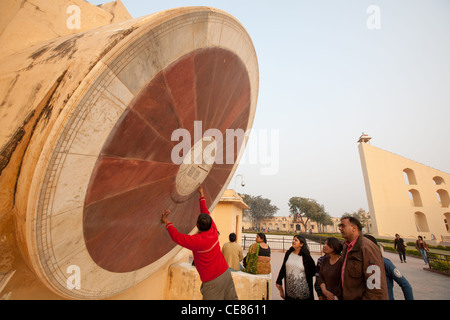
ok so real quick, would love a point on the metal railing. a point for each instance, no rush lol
(439, 262)
(445, 238)
(280, 243)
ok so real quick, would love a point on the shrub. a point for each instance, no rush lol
(440, 265)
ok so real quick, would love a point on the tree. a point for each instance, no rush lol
(361, 215)
(260, 208)
(305, 209)
(323, 219)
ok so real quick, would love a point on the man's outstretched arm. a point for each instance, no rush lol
(203, 207)
(183, 240)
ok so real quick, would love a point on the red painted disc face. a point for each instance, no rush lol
(134, 179)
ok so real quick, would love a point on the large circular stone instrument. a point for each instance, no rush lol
(108, 166)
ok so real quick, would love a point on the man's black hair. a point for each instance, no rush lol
(204, 222)
(232, 237)
(353, 221)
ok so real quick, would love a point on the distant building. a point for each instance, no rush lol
(287, 224)
(404, 196)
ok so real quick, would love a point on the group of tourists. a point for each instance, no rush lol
(351, 270)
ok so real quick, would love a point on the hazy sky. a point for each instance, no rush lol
(325, 78)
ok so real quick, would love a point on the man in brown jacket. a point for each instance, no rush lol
(363, 275)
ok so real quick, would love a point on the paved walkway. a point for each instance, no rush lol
(426, 285)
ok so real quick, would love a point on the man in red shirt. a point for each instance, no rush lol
(217, 282)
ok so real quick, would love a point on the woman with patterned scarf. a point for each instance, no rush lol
(257, 260)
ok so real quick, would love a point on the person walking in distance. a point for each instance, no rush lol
(362, 275)
(399, 244)
(422, 247)
(217, 282)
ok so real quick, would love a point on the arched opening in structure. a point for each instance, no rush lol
(443, 198)
(414, 196)
(447, 221)
(421, 222)
(438, 180)
(410, 177)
